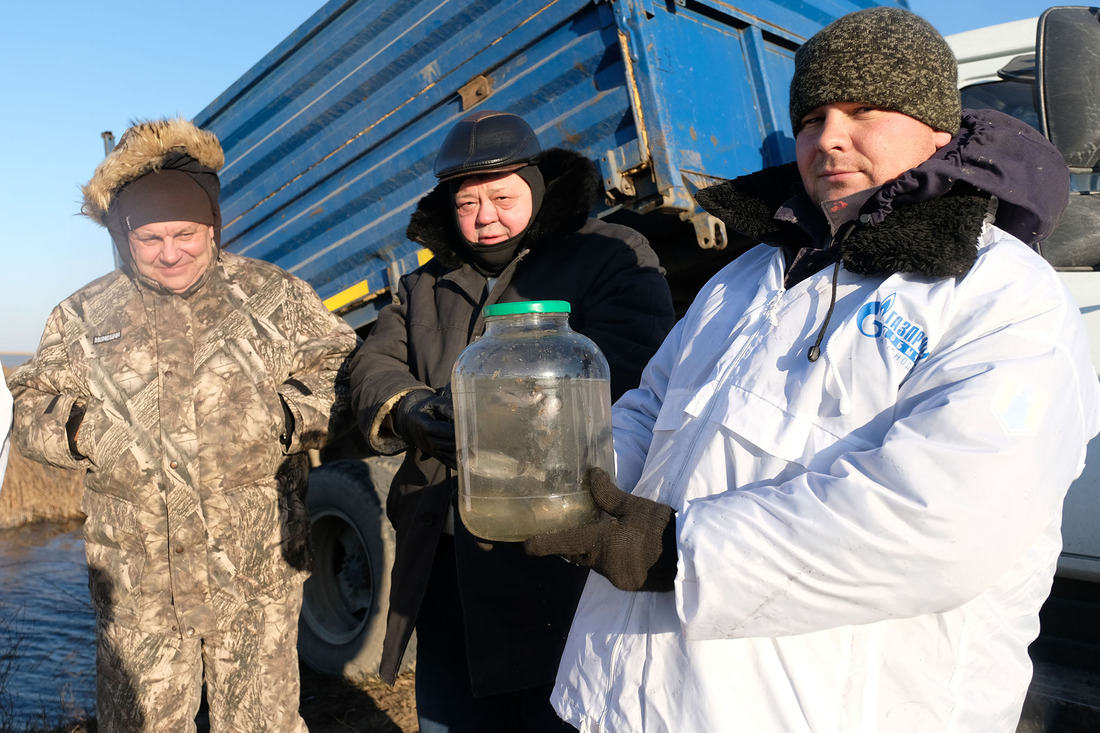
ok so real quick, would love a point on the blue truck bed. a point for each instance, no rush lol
(330, 139)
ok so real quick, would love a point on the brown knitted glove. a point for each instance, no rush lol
(633, 545)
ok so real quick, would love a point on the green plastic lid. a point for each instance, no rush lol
(525, 306)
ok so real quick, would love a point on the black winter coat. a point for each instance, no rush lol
(518, 608)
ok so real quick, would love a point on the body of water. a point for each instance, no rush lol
(47, 627)
(12, 359)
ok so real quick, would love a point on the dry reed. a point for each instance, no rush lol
(33, 492)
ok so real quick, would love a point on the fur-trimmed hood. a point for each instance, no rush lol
(168, 144)
(572, 187)
(143, 148)
(927, 220)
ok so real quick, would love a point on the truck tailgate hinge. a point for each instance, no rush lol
(710, 232)
(614, 165)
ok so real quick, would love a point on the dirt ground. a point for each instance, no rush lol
(333, 705)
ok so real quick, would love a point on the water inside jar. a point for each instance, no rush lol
(524, 446)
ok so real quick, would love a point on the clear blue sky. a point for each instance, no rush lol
(70, 69)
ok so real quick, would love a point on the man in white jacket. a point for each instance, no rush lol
(843, 471)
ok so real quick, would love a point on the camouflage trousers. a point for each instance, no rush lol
(153, 682)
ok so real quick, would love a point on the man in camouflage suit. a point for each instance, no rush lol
(188, 384)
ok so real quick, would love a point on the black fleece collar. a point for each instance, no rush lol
(937, 238)
(927, 220)
(573, 185)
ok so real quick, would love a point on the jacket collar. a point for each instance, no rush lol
(937, 237)
(929, 219)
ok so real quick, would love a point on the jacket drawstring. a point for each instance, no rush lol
(815, 351)
(832, 376)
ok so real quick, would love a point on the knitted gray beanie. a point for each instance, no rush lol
(886, 57)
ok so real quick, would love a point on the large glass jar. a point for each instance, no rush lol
(532, 402)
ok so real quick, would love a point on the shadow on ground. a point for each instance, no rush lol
(334, 705)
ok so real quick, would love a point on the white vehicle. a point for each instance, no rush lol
(1034, 70)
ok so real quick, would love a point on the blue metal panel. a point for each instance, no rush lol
(329, 147)
(713, 81)
(331, 138)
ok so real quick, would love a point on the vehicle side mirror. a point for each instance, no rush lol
(1068, 89)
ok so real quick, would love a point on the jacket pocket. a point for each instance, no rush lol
(263, 534)
(106, 437)
(116, 555)
(674, 410)
(783, 432)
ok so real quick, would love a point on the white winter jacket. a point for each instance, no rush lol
(864, 541)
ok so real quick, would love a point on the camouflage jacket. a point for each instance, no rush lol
(194, 491)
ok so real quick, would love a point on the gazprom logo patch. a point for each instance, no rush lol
(878, 320)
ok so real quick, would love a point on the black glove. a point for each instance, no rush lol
(72, 427)
(633, 545)
(427, 420)
(287, 435)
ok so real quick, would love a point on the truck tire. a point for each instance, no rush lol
(346, 599)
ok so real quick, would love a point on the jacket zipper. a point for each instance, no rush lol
(767, 316)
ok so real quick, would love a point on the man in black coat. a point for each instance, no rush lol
(508, 222)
